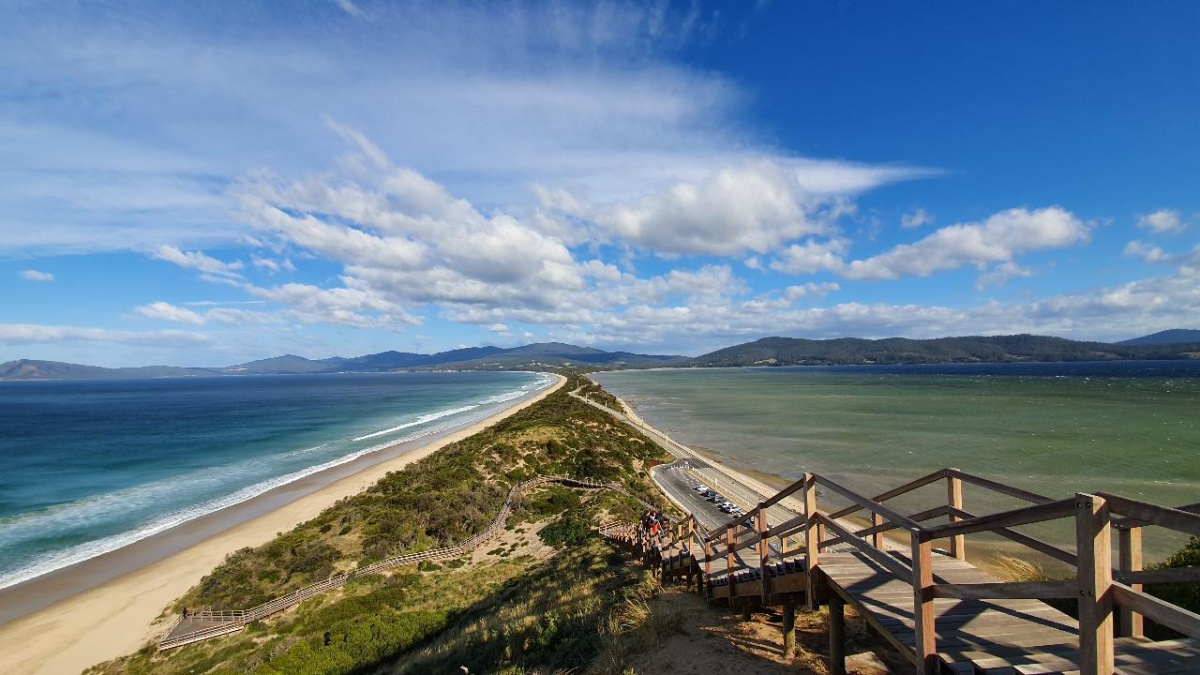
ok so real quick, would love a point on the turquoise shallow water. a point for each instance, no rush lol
(1054, 429)
(88, 467)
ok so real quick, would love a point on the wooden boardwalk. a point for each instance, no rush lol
(943, 613)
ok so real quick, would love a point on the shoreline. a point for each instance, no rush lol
(113, 604)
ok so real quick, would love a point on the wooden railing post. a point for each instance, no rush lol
(764, 550)
(877, 537)
(954, 498)
(708, 555)
(730, 559)
(837, 635)
(1093, 541)
(925, 645)
(812, 545)
(1130, 547)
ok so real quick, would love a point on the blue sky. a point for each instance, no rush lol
(209, 183)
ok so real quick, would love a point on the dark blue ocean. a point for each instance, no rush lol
(87, 467)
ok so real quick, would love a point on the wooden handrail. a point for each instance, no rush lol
(1157, 610)
(992, 485)
(895, 492)
(1004, 519)
(869, 504)
(891, 564)
(1163, 516)
(1130, 522)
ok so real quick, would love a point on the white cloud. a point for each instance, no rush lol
(996, 240)
(1146, 252)
(199, 261)
(350, 8)
(915, 219)
(271, 265)
(752, 206)
(1001, 274)
(811, 257)
(35, 275)
(24, 334)
(811, 290)
(168, 312)
(1164, 221)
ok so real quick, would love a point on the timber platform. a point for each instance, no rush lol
(940, 611)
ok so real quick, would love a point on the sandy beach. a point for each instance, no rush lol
(117, 616)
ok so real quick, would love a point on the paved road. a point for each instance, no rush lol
(679, 479)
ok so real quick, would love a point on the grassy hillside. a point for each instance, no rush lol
(379, 620)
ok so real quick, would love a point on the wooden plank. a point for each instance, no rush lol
(988, 591)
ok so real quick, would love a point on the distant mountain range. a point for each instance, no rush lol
(1175, 336)
(542, 355)
(773, 351)
(779, 351)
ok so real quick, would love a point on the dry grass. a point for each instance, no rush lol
(1011, 568)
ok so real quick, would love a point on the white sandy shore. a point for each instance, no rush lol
(119, 616)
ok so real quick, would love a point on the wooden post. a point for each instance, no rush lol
(837, 635)
(954, 498)
(707, 576)
(789, 629)
(730, 560)
(1093, 542)
(764, 551)
(811, 545)
(925, 645)
(877, 538)
(747, 611)
(1130, 538)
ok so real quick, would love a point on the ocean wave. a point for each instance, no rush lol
(423, 419)
(101, 509)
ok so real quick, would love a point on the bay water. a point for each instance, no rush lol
(87, 467)
(1130, 428)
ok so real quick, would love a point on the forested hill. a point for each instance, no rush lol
(781, 351)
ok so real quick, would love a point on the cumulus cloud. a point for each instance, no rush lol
(1001, 274)
(753, 206)
(915, 219)
(1146, 252)
(199, 261)
(168, 312)
(996, 240)
(811, 290)
(35, 275)
(811, 257)
(1165, 221)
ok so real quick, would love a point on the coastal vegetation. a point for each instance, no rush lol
(548, 562)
